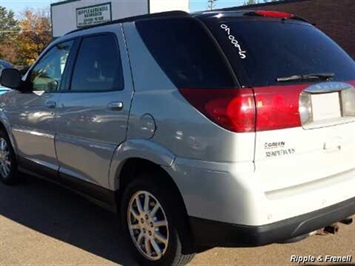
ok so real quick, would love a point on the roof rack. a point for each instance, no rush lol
(136, 18)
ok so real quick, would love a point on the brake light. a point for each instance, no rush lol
(232, 109)
(249, 110)
(277, 107)
(273, 14)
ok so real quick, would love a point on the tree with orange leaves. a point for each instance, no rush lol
(34, 36)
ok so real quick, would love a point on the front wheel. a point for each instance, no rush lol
(151, 222)
(8, 164)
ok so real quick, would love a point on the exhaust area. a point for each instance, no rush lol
(334, 228)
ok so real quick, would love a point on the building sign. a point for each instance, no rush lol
(92, 15)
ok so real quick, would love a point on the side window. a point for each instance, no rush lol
(185, 52)
(47, 74)
(98, 65)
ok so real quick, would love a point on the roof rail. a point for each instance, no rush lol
(136, 18)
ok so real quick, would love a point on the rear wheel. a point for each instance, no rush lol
(8, 164)
(151, 223)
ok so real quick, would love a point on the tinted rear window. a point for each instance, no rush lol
(268, 49)
(185, 52)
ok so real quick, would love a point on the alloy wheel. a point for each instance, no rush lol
(148, 225)
(5, 161)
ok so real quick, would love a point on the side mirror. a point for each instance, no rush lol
(11, 78)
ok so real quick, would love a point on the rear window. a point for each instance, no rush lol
(185, 52)
(267, 49)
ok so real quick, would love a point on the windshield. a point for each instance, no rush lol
(269, 49)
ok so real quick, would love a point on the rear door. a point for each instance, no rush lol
(93, 111)
(304, 96)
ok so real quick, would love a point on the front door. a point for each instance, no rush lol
(32, 114)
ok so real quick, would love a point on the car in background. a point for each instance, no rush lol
(4, 90)
(4, 64)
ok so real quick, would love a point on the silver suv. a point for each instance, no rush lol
(210, 129)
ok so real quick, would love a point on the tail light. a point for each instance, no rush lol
(348, 102)
(278, 107)
(306, 112)
(232, 109)
(248, 110)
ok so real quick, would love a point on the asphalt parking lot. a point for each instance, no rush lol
(42, 224)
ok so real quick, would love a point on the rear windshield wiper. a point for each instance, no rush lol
(316, 76)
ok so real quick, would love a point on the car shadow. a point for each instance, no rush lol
(61, 214)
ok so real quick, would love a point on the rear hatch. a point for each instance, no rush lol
(303, 85)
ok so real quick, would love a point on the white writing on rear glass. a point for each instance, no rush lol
(231, 37)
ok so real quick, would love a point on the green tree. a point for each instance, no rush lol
(9, 29)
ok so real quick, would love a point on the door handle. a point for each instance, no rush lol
(115, 106)
(51, 104)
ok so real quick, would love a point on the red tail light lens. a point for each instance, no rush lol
(249, 110)
(278, 107)
(232, 109)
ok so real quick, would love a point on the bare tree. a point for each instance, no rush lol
(211, 4)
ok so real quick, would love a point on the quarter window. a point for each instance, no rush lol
(98, 65)
(186, 53)
(47, 74)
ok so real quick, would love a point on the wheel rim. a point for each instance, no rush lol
(5, 162)
(148, 225)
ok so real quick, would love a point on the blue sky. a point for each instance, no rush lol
(198, 5)
(19, 5)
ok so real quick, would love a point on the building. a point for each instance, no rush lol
(73, 14)
(334, 17)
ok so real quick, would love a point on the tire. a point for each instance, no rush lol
(8, 164)
(152, 222)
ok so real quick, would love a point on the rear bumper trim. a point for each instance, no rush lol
(213, 233)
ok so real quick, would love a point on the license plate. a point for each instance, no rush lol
(326, 106)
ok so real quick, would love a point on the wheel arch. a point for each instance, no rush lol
(135, 149)
(7, 129)
(133, 168)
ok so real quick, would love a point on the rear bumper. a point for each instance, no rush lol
(234, 193)
(213, 233)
